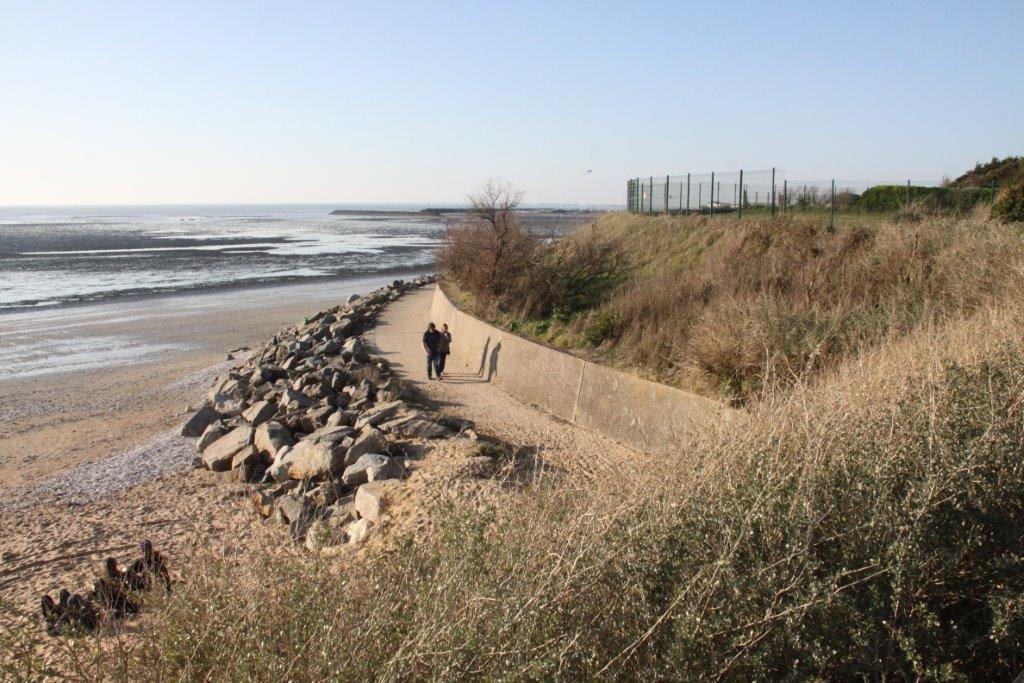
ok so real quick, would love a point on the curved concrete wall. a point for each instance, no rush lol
(642, 414)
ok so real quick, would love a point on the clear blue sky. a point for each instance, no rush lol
(145, 102)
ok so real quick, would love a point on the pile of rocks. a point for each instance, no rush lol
(318, 427)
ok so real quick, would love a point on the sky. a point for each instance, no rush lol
(375, 102)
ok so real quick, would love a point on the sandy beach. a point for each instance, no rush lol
(90, 460)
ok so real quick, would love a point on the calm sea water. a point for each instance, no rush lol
(55, 256)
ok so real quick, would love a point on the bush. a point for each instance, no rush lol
(507, 269)
(1009, 204)
(894, 198)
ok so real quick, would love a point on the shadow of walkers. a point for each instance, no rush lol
(492, 367)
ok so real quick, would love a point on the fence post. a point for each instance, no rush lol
(740, 214)
(680, 196)
(785, 195)
(908, 192)
(773, 192)
(711, 201)
(687, 194)
(666, 195)
(832, 215)
(650, 202)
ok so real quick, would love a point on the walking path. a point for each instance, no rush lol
(559, 446)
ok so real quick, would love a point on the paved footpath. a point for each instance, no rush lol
(559, 446)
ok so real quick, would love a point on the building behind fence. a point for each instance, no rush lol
(772, 192)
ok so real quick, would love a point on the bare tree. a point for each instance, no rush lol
(493, 209)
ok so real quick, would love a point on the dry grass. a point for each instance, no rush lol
(729, 308)
(862, 526)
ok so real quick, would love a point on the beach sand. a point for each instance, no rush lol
(90, 463)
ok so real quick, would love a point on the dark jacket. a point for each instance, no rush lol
(446, 342)
(433, 339)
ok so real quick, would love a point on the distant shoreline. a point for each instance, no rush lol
(440, 211)
(264, 286)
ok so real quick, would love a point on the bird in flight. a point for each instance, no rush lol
(588, 171)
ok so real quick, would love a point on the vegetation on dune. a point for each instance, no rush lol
(862, 520)
(729, 307)
(866, 526)
(998, 171)
(1009, 204)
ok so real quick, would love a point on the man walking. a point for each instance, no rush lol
(432, 340)
(446, 347)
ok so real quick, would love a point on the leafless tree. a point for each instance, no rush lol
(493, 208)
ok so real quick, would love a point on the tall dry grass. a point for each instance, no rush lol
(730, 307)
(866, 525)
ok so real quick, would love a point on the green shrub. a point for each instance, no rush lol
(894, 198)
(1009, 204)
(599, 328)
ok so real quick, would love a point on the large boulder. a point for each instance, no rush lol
(416, 425)
(295, 400)
(355, 349)
(271, 437)
(200, 420)
(213, 432)
(294, 510)
(342, 328)
(259, 412)
(370, 440)
(373, 498)
(371, 467)
(220, 453)
(378, 414)
(316, 458)
(227, 404)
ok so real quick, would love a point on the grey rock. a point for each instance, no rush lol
(226, 404)
(271, 437)
(416, 425)
(200, 420)
(212, 433)
(292, 400)
(310, 459)
(373, 498)
(316, 418)
(371, 467)
(358, 531)
(323, 494)
(370, 440)
(247, 456)
(219, 454)
(378, 414)
(293, 507)
(259, 412)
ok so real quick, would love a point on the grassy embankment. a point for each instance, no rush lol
(728, 308)
(862, 524)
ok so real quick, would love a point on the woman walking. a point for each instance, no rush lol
(446, 348)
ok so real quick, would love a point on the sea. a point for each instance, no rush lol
(61, 256)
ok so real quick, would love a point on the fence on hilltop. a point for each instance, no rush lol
(770, 191)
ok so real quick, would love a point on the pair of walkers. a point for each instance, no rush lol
(437, 343)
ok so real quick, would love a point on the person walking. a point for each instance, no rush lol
(432, 340)
(446, 347)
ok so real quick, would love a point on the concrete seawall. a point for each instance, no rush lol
(645, 415)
